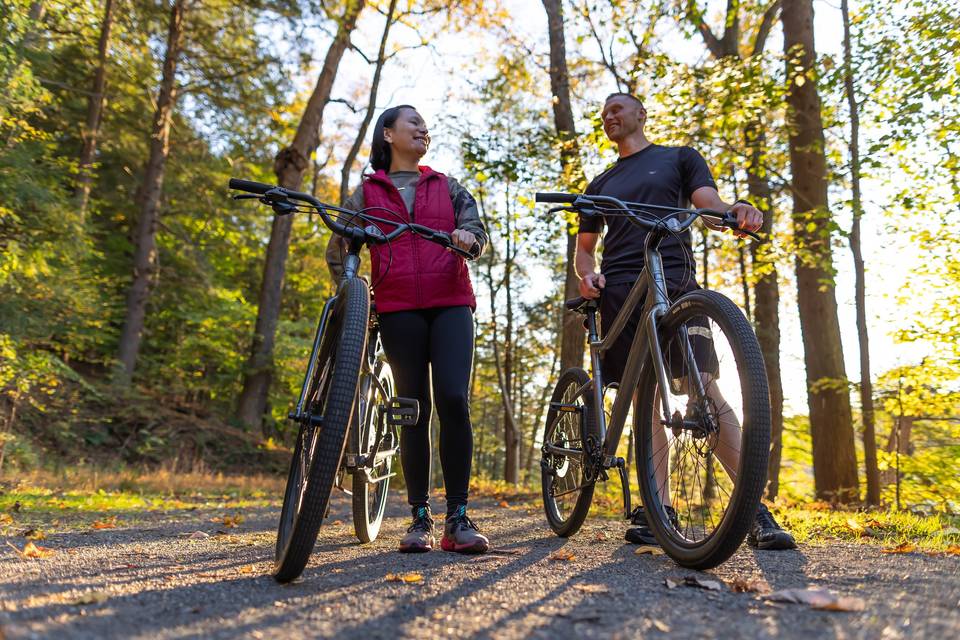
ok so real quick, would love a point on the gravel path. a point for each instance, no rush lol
(154, 580)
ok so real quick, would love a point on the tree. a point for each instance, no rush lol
(572, 336)
(145, 236)
(766, 289)
(831, 422)
(289, 166)
(866, 384)
(94, 112)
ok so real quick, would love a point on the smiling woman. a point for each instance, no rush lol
(425, 303)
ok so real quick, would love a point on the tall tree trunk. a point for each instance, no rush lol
(289, 166)
(145, 236)
(371, 106)
(511, 470)
(866, 384)
(831, 423)
(572, 341)
(91, 127)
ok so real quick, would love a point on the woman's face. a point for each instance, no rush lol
(408, 136)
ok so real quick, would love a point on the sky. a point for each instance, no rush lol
(432, 77)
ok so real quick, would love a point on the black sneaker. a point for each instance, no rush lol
(419, 538)
(767, 534)
(642, 534)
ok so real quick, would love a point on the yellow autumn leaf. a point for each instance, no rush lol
(562, 555)
(647, 548)
(410, 577)
(904, 547)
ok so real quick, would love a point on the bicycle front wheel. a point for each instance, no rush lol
(570, 433)
(702, 470)
(331, 398)
(370, 491)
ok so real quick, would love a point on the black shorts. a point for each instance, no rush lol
(614, 359)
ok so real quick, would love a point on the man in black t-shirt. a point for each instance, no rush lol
(658, 175)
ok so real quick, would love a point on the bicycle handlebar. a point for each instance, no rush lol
(279, 197)
(579, 202)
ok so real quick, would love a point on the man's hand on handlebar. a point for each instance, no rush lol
(591, 284)
(749, 218)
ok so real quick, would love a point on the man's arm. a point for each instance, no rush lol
(749, 218)
(585, 262)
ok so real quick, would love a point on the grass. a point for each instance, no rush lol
(84, 496)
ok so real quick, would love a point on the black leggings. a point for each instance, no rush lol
(419, 343)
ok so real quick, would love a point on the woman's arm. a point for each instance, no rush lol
(466, 214)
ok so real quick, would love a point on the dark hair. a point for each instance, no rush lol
(379, 148)
(620, 94)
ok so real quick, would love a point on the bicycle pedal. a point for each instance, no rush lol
(402, 412)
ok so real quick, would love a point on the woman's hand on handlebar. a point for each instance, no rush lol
(463, 239)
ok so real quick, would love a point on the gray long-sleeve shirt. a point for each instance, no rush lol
(465, 212)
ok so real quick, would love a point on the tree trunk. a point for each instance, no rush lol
(94, 114)
(511, 470)
(289, 166)
(766, 304)
(145, 236)
(866, 384)
(371, 107)
(572, 341)
(831, 423)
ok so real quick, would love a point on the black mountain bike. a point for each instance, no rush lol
(347, 383)
(701, 410)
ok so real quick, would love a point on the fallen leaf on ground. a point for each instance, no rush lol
(648, 548)
(662, 626)
(903, 547)
(198, 535)
(818, 599)
(31, 550)
(562, 555)
(232, 521)
(411, 577)
(504, 504)
(601, 536)
(859, 529)
(693, 581)
(749, 585)
(953, 550)
(91, 597)
(34, 534)
(106, 523)
(337, 522)
(591, 588)
(246, 569)
(6, 518)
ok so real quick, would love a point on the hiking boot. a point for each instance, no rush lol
(642, 534)
(767, 534)
(419, 538)
(460, 534)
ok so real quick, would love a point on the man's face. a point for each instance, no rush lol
(622, 117)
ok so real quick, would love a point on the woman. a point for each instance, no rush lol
(425, 306)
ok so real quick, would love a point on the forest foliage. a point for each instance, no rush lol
(244, 74)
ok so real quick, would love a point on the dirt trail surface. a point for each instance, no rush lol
(160, 579)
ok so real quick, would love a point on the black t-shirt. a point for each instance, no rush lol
(659, 175)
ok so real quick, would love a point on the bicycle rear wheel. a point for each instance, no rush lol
(331, 399)
(710, 464)
(571, 425)
(370, 498)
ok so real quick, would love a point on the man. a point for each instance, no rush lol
(658, 175)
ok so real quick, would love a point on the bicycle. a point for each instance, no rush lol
(347, 384)
(708, 465)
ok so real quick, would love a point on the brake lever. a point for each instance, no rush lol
(245, 196)
(730, 222)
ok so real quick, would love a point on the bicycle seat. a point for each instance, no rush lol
(582, 305)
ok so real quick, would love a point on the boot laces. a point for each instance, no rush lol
(460, 520)
(765, 518)
(421, 520)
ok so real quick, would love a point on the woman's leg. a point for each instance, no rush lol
(451, 359)
(405, 336)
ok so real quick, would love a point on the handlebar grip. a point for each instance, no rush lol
(557, 198)
(250, 186)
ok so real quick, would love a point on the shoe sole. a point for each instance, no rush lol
(477, 547)
(776, 544)
(416, 548)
